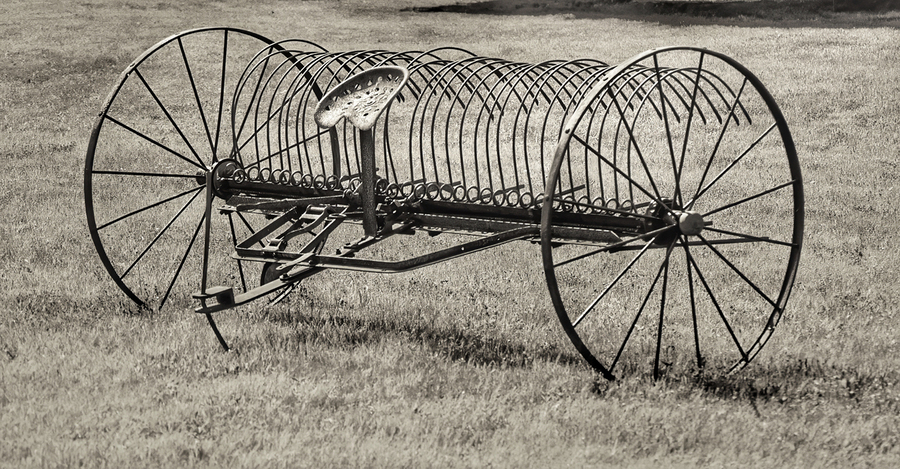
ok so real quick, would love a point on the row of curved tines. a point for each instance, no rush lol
(478, 87)
(447, 85)
(410, 193)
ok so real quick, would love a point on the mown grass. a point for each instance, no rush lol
(747, 13)
(457, 365)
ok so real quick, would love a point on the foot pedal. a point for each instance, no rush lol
(223, 295)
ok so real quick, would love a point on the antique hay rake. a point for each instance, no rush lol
(665, 192)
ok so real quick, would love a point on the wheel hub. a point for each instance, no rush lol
(223, 169)
(690, 223)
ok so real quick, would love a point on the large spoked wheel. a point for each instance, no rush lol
(688, 147)
(163, 129)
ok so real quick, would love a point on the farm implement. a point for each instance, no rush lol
(664, 193)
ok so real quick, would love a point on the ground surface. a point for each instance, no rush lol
(462, 365)
(781, 12)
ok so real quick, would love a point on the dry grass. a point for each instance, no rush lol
(458, 365)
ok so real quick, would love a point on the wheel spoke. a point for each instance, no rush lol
(678, 194)
(715, 150)
(247, 225)
(159, 235)
(250, 101)
(752, 197)
(640, 157)
(618, 245)
(190, 74)
(264, 124)
(153, 141)
(171, 119)
(662, 309)
(655, 198)
(286, 148)
(613, 283)
(148, 207)
(187, 251)
(665, 116)
(737, 271)
(144, 174)
(215, 153)
(715, 303)
(637, 317)
(748, 237)
(690, 282)
(734, 163)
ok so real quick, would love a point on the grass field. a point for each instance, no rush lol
(460, 365)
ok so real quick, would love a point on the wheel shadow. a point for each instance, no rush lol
(454, 343)
(794, 380)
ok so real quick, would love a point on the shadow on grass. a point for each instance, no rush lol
(793, 380)
(455, 343)
(789, 379)
(781, 13)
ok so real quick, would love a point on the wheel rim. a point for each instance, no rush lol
(162, 128)
(700, 149)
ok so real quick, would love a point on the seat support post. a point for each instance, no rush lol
(367, 157)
